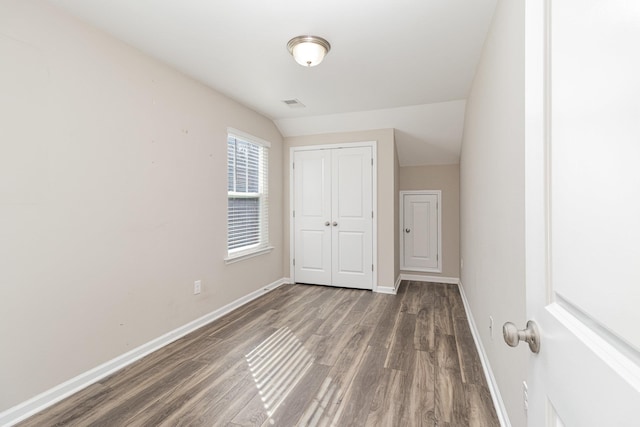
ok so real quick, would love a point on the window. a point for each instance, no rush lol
(247, 195)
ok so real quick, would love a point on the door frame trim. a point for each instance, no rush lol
(374, 201)
(438, 194)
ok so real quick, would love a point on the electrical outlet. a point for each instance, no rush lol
(197, 287)
(491, 327)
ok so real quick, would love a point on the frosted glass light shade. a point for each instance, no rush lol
(308, 51)
(308, 54)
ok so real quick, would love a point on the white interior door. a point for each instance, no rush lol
(420, 231)
(312, 221)
(352, 211)
(583, 212)
(333, 209)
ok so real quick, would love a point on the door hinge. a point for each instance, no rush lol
(294, 165)
(371, 267)
(294, 213)
(371, 214)
(371, 161)
(294, 262)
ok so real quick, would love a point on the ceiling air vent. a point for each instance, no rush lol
(293, 103)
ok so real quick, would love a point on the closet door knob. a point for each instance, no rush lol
(407, 230)
(530, 335)
(327, 223)
(335, 223)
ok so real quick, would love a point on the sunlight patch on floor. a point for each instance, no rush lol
(277, 365)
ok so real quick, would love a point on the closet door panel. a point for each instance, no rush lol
(351, 186)
(312, 210)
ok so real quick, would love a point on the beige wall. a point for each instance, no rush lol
(447, 179)
(492, 200)
(386, 188)
(112, 199)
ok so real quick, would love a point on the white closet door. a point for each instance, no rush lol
(352, 247)
(312, 194)
(333, 224)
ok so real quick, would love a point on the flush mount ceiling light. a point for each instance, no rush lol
(308, 51)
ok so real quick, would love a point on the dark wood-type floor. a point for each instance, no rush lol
(304, 355)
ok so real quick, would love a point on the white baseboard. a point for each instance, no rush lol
(434, 279)
(501, 410)
(36, 404)
(388, 289)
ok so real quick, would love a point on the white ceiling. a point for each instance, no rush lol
(406, 64)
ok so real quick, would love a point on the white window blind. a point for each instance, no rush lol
(247, 212)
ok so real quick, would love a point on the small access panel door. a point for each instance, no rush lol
(420, 231)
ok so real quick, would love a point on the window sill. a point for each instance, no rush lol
(230, 259)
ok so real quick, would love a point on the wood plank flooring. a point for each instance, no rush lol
(304, 355)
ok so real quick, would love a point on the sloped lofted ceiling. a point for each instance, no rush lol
(405, 64)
